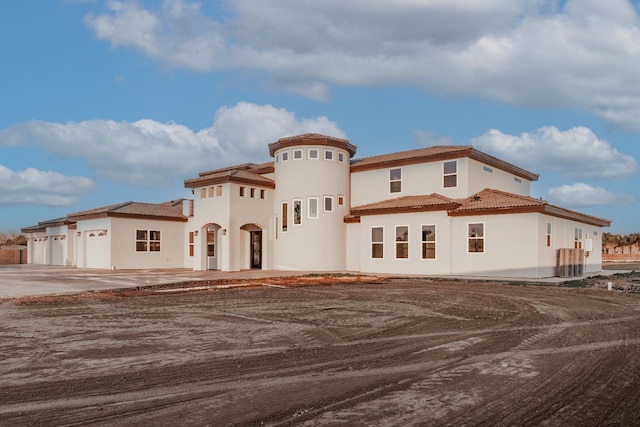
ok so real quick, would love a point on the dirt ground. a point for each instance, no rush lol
(338, 351)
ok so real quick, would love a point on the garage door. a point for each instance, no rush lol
(97, 250)
(39, 251)
(57, 250)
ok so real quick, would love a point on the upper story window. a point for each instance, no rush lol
(518, 180)
(313, 153)
(262, 194)
(297, 212)
(211, 192)
(487, 169)
(297, 154)
(341, 157)
(476, 237)
(252, 193)
(340, 200)
(395, 180)
(328, 204)
(277, 158)
(219, 190)
(450, 174)
(203, 193)
(241, 191)
(312, 207)
(328, 154)
(285, 156)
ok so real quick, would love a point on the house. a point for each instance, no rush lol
(443, 210)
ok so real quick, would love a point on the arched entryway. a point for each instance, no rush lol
(210, 244)
(252, 246)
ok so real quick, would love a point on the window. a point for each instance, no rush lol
(211, 241)
(277, 158)
(402, 242)
(518, 180)
(285, 217)
(275, 226)
(450, 173)
(241, 191)
(476, 237)
(428, 242)
(147, 241)
(285, 156)
(313, 153)
(203, 193)
(312, 209)
(191, 243)
(328, 154)
(341, 157)
(340, 200)
(377, 242)
(395, 180)
(262, 194)
(297, 154)
(549, 234)
(578, 239)
(487, 169)
(328, 203)
(211, 192)
(297, 212)
(219, 190)
(252, 193)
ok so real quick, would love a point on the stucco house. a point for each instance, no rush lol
(443, 210)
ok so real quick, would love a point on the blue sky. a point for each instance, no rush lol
(108, 101)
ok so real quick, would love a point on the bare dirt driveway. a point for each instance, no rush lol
(394, 352)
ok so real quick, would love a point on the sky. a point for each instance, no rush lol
(103, 102)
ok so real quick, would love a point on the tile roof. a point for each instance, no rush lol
(243, 166)
(486, 202)
(312, 139)
(133, 209)
(431, 202)
(437, 153)
(238, 176)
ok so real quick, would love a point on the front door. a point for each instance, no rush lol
(212, 262)
(256, 249)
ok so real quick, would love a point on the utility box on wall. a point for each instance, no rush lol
(570, 262)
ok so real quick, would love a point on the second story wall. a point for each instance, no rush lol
(483, 176)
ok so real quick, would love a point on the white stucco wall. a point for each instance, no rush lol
(123, 244)
(482, 176)
(317, 243)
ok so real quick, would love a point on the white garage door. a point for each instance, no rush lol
(97, 250)
(39, 250)
(57, 250)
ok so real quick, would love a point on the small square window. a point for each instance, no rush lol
(341, 157)
(328, 154)
(285, 156)
(313, 153)
(297, 154)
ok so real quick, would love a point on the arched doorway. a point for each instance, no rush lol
(255, 245)
(211, 246)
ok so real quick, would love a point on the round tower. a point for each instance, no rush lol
(312, 174)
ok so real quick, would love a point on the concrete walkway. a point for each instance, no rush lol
(31, 280)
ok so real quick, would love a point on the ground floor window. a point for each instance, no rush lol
(578, 239)
(211, 241)
(402, 242)
(549, 234)
(428, 241)
(377, 242)
(147, 241)
(312, 209)
(191, 243)
(285, 216)
(297, 212)
(476, 237)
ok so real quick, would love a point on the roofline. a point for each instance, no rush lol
(223, 179)
(405, 209)
(467, 151)
(545, 209)
(312, 139)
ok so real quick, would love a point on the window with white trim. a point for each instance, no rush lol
(377, 242)
(340, 200)
(328, 203)
(147, 241)
(285, 217)
(578, 239)
(402, 242)
(328, 154)
(312, 207)
(340, 157)
(313, 153)
(191, 243)
(285, 156)
(297, 212)
(450, 174)
(297, 154)
(395, 180)
(475, 237)
(428, 242)
(548, 234)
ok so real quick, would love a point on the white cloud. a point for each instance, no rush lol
(151, 153)
(584, 196)
(523, 52)
(576, 153)
(41, 187)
